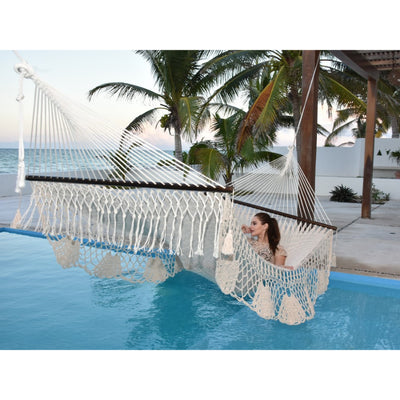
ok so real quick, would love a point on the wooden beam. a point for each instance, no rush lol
(283, 214)
(357, 63)
(308, 126)
(369, 149)
(129, 184)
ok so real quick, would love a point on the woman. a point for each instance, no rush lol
(268, 236)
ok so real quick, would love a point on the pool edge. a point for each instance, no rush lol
(22, 232)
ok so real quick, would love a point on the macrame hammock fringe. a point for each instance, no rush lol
(118, 207)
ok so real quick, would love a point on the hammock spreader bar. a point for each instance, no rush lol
(132, 184)
(308, 221)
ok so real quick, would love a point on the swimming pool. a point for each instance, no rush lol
(43, 306)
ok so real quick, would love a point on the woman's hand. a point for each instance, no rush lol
(245, 229)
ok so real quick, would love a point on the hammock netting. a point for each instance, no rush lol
(118, 207)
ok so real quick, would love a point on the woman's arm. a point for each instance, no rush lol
(280, 257)
(280, 260)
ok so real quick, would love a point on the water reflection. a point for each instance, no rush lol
(189, 312)
(171, 315)
(184, 309)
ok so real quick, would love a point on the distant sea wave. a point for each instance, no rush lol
(9, 160)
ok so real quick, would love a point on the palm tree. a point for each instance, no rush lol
(354, 121)
(283, 92)
(181, 83)
(221, 156)
(387, 107)
(279, 101)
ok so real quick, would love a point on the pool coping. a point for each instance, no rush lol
(336, 276)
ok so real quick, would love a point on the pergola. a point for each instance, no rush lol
(368, 64)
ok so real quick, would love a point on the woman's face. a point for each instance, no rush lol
(257, 228)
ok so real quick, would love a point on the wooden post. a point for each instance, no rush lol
(308, 126)
(369, 148)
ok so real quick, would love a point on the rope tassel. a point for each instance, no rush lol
(227, 247)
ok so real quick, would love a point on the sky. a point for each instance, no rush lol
(74, 73)
(73, 53)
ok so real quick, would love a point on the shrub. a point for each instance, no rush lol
(378, 196)
(395, 155)
(343, 194)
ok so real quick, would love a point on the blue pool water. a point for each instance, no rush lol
(43, 306)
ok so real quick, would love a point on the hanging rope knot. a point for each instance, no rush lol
(24, 69)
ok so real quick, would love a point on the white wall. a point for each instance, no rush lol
(349, 161)
(324, 184)
(345, 166)
(341, 161)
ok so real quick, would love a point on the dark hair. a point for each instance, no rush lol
(274, 235)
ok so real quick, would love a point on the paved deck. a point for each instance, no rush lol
(363, 246)
(367, 246)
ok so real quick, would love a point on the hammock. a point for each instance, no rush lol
(118, 207)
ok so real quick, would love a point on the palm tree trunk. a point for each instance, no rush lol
(395, 126)
(296, 104)
(178, 145)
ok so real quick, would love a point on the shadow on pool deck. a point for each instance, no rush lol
(363, 246)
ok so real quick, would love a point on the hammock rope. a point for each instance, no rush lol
(118, 207)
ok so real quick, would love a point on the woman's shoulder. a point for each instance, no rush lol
(280, 251)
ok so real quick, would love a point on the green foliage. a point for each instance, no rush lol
(379, 196)
(221, 157)
(395, 155)
(343, 194)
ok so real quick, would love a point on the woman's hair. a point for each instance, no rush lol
(274, 235)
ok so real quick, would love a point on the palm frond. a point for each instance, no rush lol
(138, 123)
(124, 90)
(249, 155)
(227, 64)
(156, 60)
(232, 87)
(188, 110)
(211, 161)
(322, 131)
(226, 109)
(263, 110)
(192, 154)
(342, 116)
(274, 103)
(343, 95)
(226, 133)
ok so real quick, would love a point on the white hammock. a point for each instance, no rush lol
(277, 292)
(118, 207)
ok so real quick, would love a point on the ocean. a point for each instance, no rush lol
(9, 161)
